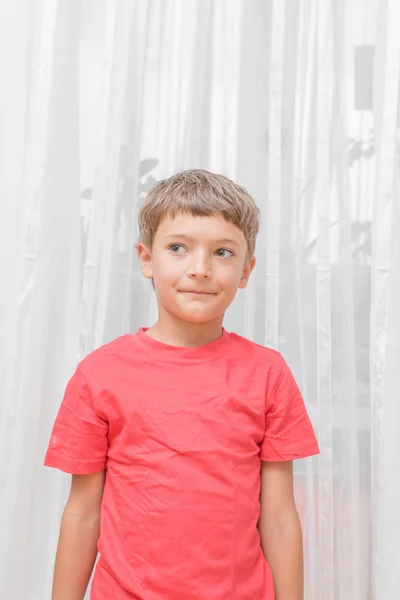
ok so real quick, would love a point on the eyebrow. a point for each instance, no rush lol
(192, 239)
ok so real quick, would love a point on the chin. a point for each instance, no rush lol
(196, 318)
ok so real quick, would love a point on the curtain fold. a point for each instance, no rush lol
(39, 319)
(385, 285)
(296, 101)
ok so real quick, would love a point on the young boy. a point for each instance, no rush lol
(180, 438)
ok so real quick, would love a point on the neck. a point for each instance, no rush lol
(171, 330)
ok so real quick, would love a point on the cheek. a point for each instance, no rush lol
(167, 271)
(229, 277)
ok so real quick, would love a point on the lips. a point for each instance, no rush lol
(197, 293)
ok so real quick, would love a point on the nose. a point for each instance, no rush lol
(200, 267)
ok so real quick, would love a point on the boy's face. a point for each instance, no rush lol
(197, 264)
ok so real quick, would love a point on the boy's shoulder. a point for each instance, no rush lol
(103, 357)
(252, 349)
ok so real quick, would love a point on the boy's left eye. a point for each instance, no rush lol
(222, 250)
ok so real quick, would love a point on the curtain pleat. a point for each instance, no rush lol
(323, 201)
(385, 283)
(40, 331)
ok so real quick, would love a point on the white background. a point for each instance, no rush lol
(100, 98)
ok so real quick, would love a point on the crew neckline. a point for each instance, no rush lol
(167, 352)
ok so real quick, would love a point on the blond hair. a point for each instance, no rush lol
(201, 194)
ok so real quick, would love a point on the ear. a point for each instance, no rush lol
(144, 254)
(249, 266)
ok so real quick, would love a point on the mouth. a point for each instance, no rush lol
(196, 293)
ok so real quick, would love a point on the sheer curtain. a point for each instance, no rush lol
(298, 102)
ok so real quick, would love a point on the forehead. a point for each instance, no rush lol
(202, 229)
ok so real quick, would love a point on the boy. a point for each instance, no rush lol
(180, 438)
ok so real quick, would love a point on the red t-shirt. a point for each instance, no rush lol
(181, 432)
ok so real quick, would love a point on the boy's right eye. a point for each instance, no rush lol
(175, 248)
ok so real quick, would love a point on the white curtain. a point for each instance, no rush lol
(298, 101)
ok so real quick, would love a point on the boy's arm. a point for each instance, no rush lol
(79, 533)
(280, 529)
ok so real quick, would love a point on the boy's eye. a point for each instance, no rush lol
(221, 251)
(175, 248)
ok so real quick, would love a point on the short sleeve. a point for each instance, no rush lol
(78, 443)
(289, 433)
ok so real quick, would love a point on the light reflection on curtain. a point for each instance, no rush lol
(298, 102)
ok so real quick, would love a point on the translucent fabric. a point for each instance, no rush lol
(299, 103)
